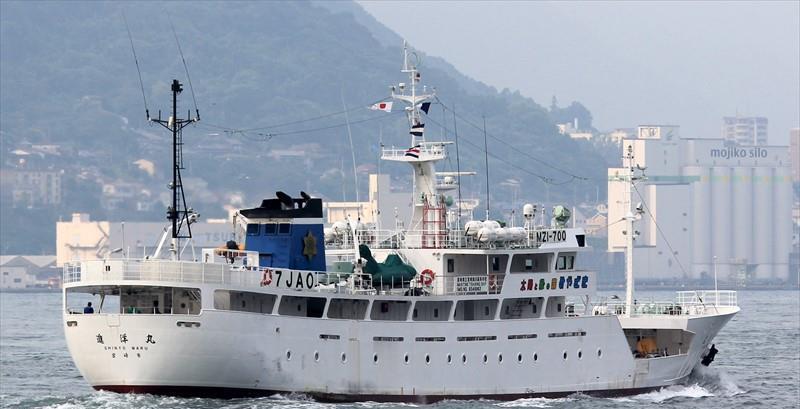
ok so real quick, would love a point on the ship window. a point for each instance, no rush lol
(451, 265)
(485, 358)
(500, 358)
(449, 359)
(599, 353)
(405, 358)
(558, 307)
(517, 308)
(346, 309)
(270, 229)
(427, 359)
(495, 263)
(344, 357)
(519, 358)
(528, 264)
(284, 228)
(474, 310)
(253, 229)
(463, 359)
(565, 262)
(316, 356)
(580, 354)
(311, 307)
(288, 355)
(375, 358)
(535, 357)
(390, 311)
(564, 355)
(159, 300)
(429, 310)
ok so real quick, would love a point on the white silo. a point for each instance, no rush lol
(742, 185)
(762, 222)
(700, 220)
(782, 222)
(721, 218)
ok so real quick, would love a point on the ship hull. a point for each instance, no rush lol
(233, 354)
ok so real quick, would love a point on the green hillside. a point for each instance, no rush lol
(67, 78)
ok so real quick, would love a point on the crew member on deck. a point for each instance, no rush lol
(88, 308)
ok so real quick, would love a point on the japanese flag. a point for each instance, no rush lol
(382, 106)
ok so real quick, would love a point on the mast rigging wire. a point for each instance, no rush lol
(185, 67)
(661, 232)
(136, 60)
(574, 176)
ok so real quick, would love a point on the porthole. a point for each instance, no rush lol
(485, 358)
(599, 353)
(374, 358)
(463, 359)
(427, 359)
(277, 330)
(288, 355)
(405, 358)
(564, 355)
(316, 356)
(519, 358)
(344, 358)
(580, 354)
(449, 359)
(535, 357)
(500, 358)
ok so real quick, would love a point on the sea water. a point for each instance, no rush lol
(758, 366)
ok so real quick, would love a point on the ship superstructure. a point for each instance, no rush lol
(433, 310)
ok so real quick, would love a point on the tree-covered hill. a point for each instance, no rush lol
(67, 77)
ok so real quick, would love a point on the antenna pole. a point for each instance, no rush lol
(629, 217)
(177, 213)
(486, 157)
(458, 167)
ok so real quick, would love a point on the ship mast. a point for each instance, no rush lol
(632, 214)
(177, 213)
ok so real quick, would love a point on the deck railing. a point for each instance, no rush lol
(699, 302)
(188, 272)
(448, 239)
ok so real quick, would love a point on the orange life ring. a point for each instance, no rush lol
(266, 277)
(426, 277)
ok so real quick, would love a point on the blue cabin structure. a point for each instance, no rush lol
(286, 232)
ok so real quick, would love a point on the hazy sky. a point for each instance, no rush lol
(630, 63)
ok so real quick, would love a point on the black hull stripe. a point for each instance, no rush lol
(230, 393)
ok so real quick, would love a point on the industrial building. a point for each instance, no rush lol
(709, 205)
(745, 130)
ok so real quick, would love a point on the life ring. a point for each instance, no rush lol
(426, 277)
(266, 277)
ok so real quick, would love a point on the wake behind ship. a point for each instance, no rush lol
(441, 309)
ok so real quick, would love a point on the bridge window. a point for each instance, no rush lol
(284, 228)
(253, 229)
(270, 229)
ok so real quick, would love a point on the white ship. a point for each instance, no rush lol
(434, 310)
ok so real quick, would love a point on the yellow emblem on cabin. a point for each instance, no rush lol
(309, 246)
